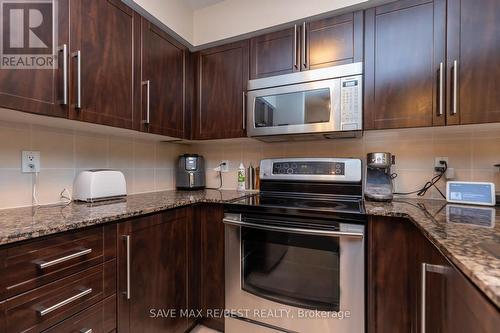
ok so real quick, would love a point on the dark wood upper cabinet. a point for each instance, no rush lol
(163, 69)
(404, 47)
(104, 35)
(154, 248)
(222, 76)
(39, 90)
(328, 42)
(333, 41)
(275, 53)
(473, 53)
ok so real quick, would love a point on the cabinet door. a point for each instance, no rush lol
(105, 33)
(275, 53)
(222, 80)
(39, 90)
(155, 249)
(211, 262)
(163, 65)
(390, 276)
(334, 41)
(404, 47)
(473, 57)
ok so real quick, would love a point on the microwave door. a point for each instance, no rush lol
(295, 109)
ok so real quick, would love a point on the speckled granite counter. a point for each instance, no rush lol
(461, 243)
(24, 223)
(449, 227)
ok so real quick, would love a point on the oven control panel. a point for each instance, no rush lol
(311, 169)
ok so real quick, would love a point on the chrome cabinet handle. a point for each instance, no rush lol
(86, 330)
(148, 85)
(65, 302)
(423, 280)
(78, 56)
(441, 89)
(294, 230)
(295, 55)
(304, 56)
(454, 109)
(244, 111)
(127, 247)
(64, 49)
(43, 264)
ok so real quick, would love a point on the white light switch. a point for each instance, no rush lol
(30, 161)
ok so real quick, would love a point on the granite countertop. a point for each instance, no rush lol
(474, 249)
(24, 223)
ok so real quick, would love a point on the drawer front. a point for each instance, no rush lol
(99, 318)
(45, 306)
(32, 264)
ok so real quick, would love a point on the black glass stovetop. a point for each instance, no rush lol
(316, 204)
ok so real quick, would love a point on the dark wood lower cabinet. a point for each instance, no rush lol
(152, 273)
(210, 269)
(411, 284)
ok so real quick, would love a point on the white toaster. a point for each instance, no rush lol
(98, 185)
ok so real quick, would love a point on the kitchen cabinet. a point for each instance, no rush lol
(40, 91)
(473, 50)
(275, 53)
(404, 79)
(222, 76)
(67, 279)
(163, 82)
(104, 62)
(311, 45)
(153, 272)
(411, 285)
(211, 269)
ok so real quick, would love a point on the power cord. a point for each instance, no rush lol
(432, 183)
(34, 194)
(220, 177)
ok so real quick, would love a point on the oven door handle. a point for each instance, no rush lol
(314, 232)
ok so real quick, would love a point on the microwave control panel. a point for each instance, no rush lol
(351, 115)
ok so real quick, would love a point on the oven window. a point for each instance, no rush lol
(298, 270)
(298, 108)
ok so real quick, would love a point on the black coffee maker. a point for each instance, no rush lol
(379, 185)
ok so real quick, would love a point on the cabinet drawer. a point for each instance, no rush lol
(45, 306)
(32, 264)
(99, 318)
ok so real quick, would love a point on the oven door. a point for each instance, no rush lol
(296, 279)
(295, 109)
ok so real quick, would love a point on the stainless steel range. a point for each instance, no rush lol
(295, 253)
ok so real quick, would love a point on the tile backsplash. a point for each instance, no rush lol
(472, 151)
(149, 165)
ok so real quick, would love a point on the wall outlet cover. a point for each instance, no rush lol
(30, 161)
(440, 158)
(224, 167)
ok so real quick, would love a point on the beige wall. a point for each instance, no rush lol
(472, 151)
(231, 18)
(147, 165)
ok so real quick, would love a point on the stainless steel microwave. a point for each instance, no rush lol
(320, 102)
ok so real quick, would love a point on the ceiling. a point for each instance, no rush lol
(198, 4)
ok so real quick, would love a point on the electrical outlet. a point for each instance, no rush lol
(439, 165)
(224, 166)
(30, 161)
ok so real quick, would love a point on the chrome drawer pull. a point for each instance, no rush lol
(43, 264)
(423, 289)
(63, 303)
(86, 330)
